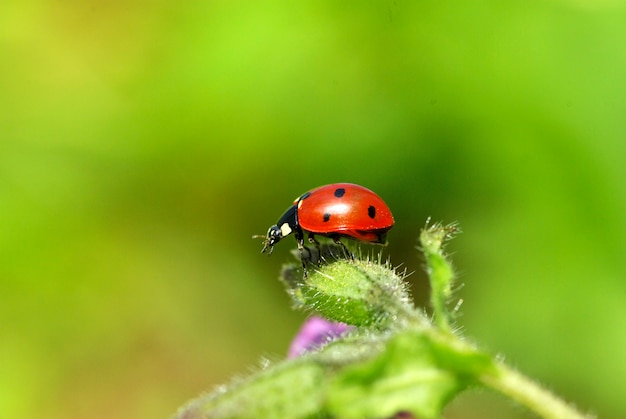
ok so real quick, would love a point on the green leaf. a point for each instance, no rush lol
(414, 373)
(287, 390)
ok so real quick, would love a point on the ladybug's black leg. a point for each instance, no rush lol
(300, 240)
(345, 249)
(314, 241)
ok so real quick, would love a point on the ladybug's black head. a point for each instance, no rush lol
(274, 234)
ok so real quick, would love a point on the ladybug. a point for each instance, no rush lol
(335, 211)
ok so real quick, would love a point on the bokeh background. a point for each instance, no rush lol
(143, 143)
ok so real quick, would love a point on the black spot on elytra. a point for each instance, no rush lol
(326, 217)
(371, 211)
(340, 192)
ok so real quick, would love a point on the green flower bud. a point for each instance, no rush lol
(360, 293)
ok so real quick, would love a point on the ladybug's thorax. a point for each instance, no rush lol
(288, 222)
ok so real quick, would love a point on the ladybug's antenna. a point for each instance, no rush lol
(266, 243)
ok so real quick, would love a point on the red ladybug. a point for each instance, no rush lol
(337, 210)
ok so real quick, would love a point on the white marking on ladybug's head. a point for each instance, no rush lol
(285, 229)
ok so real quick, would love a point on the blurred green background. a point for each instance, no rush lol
(143, 143)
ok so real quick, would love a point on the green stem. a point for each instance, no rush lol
(440, 279)
(439, 270)
(526, 392)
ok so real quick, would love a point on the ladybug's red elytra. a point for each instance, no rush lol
(335, 211)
